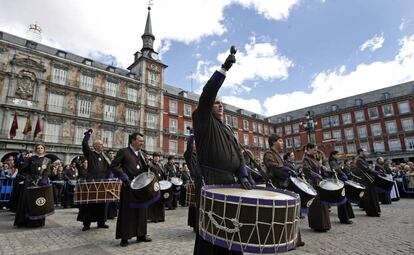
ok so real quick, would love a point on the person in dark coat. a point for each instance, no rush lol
(36, 171)
(70, 174)
(345, 211)
(156, 211)
(371, 203)
(383, 196)
(276, 169)
(218, 152)
(112, 206)
(171, 170)
(186, 178)
(318, 216)
(128, 163)
(58, 181)
(98, 167)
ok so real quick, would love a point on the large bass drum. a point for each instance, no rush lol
(146, 189)
(166, 190)
(354, 191)
(40, 202)
(383, 183)
(261, 220)
(306, 192)
(332, 191)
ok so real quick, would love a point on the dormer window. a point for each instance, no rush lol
(358, 102)
(183, 94)
(288, 118)
(61, 54)
(131, 75)
(87, 62)
(110, 69)
(386, 96)
(31, 44)
(334, 108)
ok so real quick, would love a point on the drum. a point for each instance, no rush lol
(146, 189)
(354, 191)
(332, 191)
(40, 202)
(177, 182)
(190, 196)
(99, 191)
(166, 190)
(383, 183)
(261, 220)
(306, 192)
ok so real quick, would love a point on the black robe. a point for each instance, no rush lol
(131, 221)
(370, 200)
(383, 197)
(156, 211)
(318, 216)
(171, 171)
(190, 157)
(36, 171)
(218, 152)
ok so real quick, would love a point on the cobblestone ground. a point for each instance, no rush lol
(393, 233)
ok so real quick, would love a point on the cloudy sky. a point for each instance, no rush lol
(292, 53)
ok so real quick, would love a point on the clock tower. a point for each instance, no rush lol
(148, 39)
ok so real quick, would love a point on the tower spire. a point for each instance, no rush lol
(148, 38)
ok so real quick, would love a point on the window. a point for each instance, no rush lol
(150, 143)
(246, 139)
(334, 108)
(55, 103)
(386, 95)
(266, 130)
(260, 128)
(350, 148)
(337, 135)
(228, 120)
(358, 102)
(362, 131)
(394, 144)
(84, 108)
(107, 138)
(349, 134)
(86, 82)
(279, 130)
(255, 140)
(346, 118)
(246, 125)
(407, 124)
(391, 127)
(111, 88)
(359, 116)
(387, 110)
(152, 120)
(173, 126)
(326, 122)
(339, 148)
(153, 78)
(373, 113)
(59, 76)
(288, 129)
(52, 131)
(409, 143)
(295, 128)
(187, 110)
(334, 120)
(289, 143)
(132, 94)
(109, 112)
(131, 116)
(297, 141)
(404, 107)
(364, 146)
(79, 134)
(187, 124)
(235, 122)
(261, 144)
(376, 129)
(152, 99)
(327, 135)
(173, 107)
(236, 135)
(172, 147)
(254, 127)
(379, 146)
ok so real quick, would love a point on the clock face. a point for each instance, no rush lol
(154, 56)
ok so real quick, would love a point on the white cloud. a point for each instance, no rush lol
(333, 85)
(403, 24)
(164, 47)
(115, 27)
(254, 61)
(373, 44)
(252, 105)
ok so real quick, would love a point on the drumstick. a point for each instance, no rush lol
(111, 191)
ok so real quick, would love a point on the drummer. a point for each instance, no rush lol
(318, 216)
(172, 171)
(383, 196)
(190, 157)
(345, 211)
(129, 163)
(36, 170)
(218, 152)
(278, 172)
(98, 168)
(156, 211)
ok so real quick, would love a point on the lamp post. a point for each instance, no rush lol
(309, 124)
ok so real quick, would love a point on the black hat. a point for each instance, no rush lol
(156, 154)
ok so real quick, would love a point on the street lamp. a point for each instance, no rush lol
(309, 124)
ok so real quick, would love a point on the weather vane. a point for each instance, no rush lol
(149, 4)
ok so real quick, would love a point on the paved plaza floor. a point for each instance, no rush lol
(393, 233)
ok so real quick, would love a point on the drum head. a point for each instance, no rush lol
(305, 187)
(164, 185)
(331, 184)
(142, 180)
(176, 181)
(253, 193)
(354, 184)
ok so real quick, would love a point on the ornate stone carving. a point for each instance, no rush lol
(28, 63)
(26, 82)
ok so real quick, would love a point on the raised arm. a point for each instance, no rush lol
(85, 146)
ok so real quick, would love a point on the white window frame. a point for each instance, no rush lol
(59, 76)
(297, 141)
(388, 110)
(362, 131)
(289, 142)
(351, 148)
(109, 112)
(152, 120)
(391, 127)
(79, 134)
(407, 124)
(246, 125)
(404, 107)
(376, 131)
(378, 146)
(246, 139)
(187, 110)
(349, 133)
(172, 147)
(359, 116)
(151, 99)
(365, 146)
(52, 132)
(394, 144)
(327, 135)
(131, 116)
(107, 138)
(173, 125)
(150, 143)
(86, 82)
(235, 122)
(372, 117)
(173, 107)
(187, 124)
(254, 126)
(337, 134)
(346, 118)
(132, 94)
(84, 108)
(409, 143)
(55, 103)
(288, 129)
(334, 120)
(111, 88)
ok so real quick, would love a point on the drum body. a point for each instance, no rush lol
(262, 220)
(166, 190)
(145, 187)
(99, 191)
(40, 201)
(332, 191)
(306, 192)
(176, 182)
(190, 195)
(354, 191)
(383, 184)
